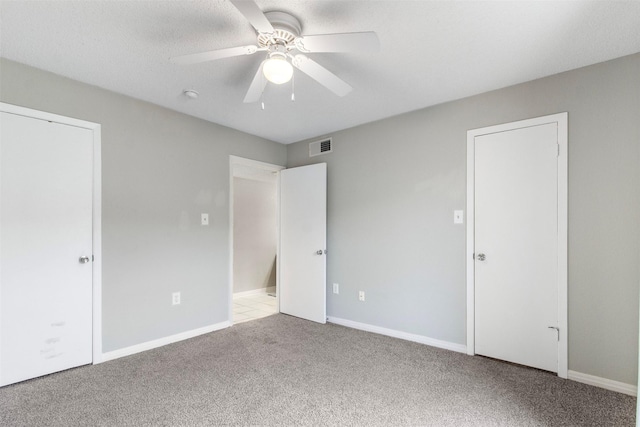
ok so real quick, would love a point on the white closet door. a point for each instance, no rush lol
(516, 246)
(45, 247)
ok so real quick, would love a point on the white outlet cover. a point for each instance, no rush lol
(175, 298)
(336, 288)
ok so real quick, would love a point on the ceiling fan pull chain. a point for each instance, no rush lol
(262, 95)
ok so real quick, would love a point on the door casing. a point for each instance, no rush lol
(95, 128)
(562, 278)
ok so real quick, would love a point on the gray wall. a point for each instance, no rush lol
(254, 234)
(393, 186)
(160, 170)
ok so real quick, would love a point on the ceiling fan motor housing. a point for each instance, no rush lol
(287, 29)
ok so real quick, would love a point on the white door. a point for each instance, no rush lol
(303, 219)
(516, 246)
(45, 233)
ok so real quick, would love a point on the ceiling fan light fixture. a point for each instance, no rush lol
(277, 69)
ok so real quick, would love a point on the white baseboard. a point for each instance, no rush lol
(460, 348)
(138, 348)
(271, 289)
(612, 385)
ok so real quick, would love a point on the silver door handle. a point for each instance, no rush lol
(319, 252)
(83, 259)
(481, 257)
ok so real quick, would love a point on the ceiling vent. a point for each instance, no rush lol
(320, 147)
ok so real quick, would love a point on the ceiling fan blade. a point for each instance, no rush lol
(341, 42)
(320, 74)
(254, 15)
(257, 86)
(212, 55)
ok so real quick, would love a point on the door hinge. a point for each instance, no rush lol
(558, 145)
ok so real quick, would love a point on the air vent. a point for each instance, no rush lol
(320, 147)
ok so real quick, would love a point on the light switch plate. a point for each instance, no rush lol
(204, 219)
(458, 217)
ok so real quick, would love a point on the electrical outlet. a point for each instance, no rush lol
(175, 298)
(204, 219)
(361, 295)
(336, 288)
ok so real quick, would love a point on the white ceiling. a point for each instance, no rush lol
(431, 52)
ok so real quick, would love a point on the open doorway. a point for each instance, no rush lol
(254, 239)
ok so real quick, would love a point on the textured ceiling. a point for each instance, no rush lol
(431, 52)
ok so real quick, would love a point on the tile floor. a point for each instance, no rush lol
(253, 307)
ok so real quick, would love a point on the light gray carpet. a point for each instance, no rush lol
(281, 370)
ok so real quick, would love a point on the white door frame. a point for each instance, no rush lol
(562, 121)
(97, 210)
(234, 163)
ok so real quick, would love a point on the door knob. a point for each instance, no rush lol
(83, 259)
(319, 252)
(481, 257)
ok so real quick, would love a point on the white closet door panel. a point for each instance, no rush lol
(516, 230)
(45, 228)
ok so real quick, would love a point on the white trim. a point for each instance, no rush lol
(612, 385)
(97, 244)
(95, 128)
(278, 246)
(241, 161)
(43, 115)
(235, 160)
(460, 348)
(471, 215)
(562, 122)
(149, 345)
(261, 291)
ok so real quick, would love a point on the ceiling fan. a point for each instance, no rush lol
(279, 35)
